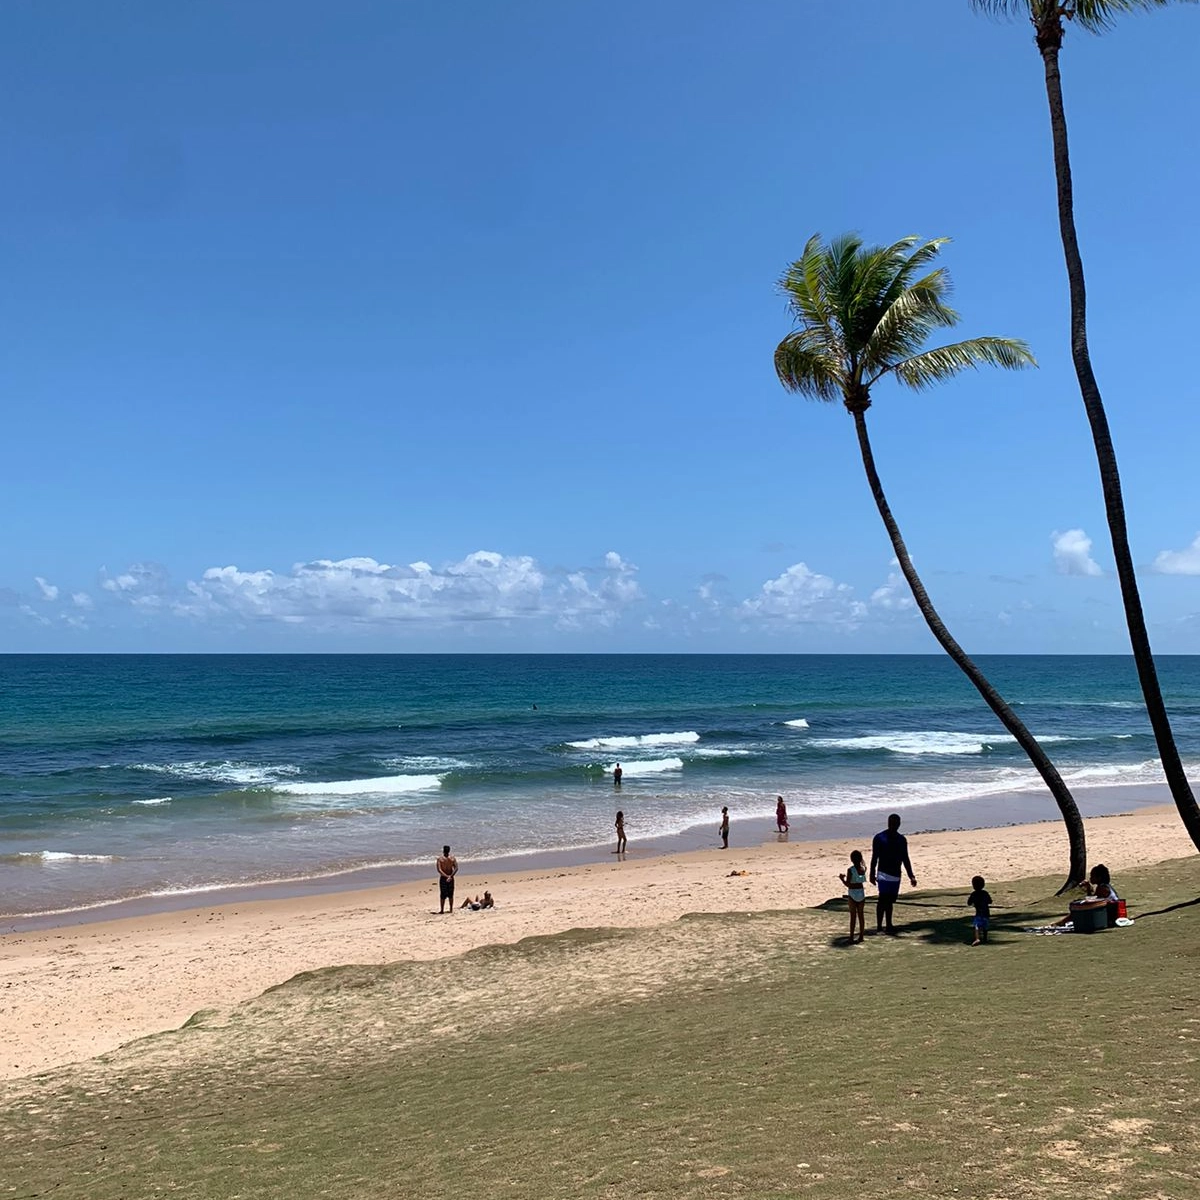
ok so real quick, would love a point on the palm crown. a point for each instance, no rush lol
(1093, 15)
(865, 312)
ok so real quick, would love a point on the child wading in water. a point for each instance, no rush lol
(854, 879)
(620, 833)
(982, 903)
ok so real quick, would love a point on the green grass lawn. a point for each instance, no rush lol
(729, 1055)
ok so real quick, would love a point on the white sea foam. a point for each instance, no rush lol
(919, 742)
(150, 803)
(246, 774)
(56, 856)
(427, 763)
(1149, 771)
(652, 766)
(798, 723)
(685, 738)
(385, 785)
(716, 752)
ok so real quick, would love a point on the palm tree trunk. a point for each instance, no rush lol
(1009, 719)
(1049, 43)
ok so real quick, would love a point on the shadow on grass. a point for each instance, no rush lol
(951, 927)
(1161, 912)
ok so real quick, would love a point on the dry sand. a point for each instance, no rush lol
(73, 992)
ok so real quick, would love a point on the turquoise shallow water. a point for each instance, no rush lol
(126, 776)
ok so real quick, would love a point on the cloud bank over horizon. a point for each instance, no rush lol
(360, 594)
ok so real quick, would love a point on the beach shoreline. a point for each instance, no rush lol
(1016, 807)
(73, 992)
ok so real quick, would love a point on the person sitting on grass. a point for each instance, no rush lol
(1100, 885)
(982, 903)
(1097, 886)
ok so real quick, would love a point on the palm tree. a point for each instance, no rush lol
(863, 313)
(1047, 17)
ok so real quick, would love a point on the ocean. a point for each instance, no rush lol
(158, 777)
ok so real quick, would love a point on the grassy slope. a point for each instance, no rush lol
(721, 1056)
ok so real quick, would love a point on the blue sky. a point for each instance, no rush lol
(429, 326)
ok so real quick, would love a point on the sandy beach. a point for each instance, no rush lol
(77, 991)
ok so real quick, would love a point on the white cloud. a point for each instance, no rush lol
(145, 585)
(483, 586)
(893, 595)
(49, 591)
(81, 600)
(598, 598)
(801, 596)
(1073, 553)
(33, 615)
(1179, 562)
(360, 591)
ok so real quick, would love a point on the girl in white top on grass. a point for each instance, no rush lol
(854, 879)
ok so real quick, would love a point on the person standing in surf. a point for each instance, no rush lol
(723, 829)
(617, 774)
(889, 856)
(781, 820)
(620, 832)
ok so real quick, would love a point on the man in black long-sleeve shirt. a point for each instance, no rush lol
(889, 856)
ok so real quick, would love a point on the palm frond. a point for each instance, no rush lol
(806, 364)
(1093, 15)
(803, 287)
(860, 285)
(907, 322)
(933, 366)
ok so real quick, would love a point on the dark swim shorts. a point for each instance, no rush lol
(446, 887)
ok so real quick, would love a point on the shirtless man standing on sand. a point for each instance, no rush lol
(447, 866)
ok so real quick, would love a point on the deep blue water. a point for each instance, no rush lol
(135, 775)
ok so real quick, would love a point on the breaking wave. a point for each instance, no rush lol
(685, 738)
(385, 785)
(246, 774)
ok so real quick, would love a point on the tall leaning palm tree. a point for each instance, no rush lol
(1048, 17)
(864, 313)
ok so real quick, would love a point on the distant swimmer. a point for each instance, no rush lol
(617, 774)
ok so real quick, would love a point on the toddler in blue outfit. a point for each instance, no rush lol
(982, 903)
